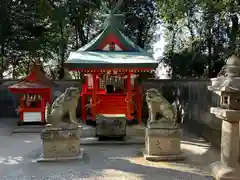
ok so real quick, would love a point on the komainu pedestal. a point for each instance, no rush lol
(163, 142)
(61, 143)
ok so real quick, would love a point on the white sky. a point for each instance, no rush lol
(158, 49)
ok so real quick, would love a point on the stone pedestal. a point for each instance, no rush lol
(163, 142)
(239, 144)
(111, 126)
(61, 143)
(228, 167)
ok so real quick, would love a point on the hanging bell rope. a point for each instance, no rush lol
(92, 105)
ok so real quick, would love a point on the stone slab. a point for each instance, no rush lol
(162, 145)
(163, 124)
(163, 141)
(149, 132)
(43, 159)
(58, 142)
(175, 157)
(108, 126)
(222, 172)
(52, 149)
(226, 114)
(28, 129)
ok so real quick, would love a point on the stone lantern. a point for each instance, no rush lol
(228, 88)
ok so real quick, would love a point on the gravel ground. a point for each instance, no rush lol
(100, 162)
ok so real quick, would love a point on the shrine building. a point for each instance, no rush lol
(111, 64)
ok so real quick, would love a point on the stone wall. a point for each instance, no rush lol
(194, 96)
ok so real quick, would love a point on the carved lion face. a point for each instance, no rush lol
(152, 93)
(72, 92)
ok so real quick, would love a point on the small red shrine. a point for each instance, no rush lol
(35, 91)
(111, 64)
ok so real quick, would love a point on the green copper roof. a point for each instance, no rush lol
(97, 59)
(126, 42)
(114, 20)
(92, 56)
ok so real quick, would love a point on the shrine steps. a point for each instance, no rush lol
(135, 134)
(112, 104)
(127, 141)
(27, 129)
(87, 131)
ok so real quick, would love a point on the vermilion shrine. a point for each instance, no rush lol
(35, 91)
(111, 63)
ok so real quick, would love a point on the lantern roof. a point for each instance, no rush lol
(225, 84)
(229, 81)
(36, 80)
(233, 60)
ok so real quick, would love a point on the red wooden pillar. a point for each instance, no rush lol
(129, 96)
(94, 96)
(43, 98)
(97, 82)
(21, 106)
(83, 108)
(139, 103)
(83, 98)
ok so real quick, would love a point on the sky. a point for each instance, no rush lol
(158, 49)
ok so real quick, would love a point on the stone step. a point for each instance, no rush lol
(28, 129)
(136, 130)
(87, 131)
(128, 140)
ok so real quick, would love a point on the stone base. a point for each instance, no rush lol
(162, 124)
(222, 172)
(170, 157)
(110, 126)
(42, 159)
(163, 143)
(61, 143)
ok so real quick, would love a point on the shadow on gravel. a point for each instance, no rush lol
(101, 162)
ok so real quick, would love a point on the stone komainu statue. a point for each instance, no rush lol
(65, 103)
(157, 104)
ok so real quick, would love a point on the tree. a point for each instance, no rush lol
(206, 29)
(50, 29)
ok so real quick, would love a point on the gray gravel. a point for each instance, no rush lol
(100, 162)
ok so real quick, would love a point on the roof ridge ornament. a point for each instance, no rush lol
(35, 64)
(113, 18)
(109, 11)
(231, 68)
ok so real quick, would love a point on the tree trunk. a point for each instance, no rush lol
(172, 54)
(76, 38)
(209, 47)
(2, 62)
(81, 35)
(62, 52)
(140, 35)
(234, 33)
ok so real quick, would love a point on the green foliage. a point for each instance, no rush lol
(200, 35)
(50, 29)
